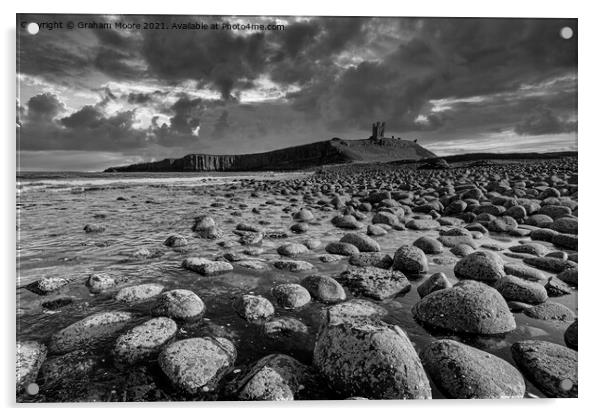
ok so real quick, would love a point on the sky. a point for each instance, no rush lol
(90, 98)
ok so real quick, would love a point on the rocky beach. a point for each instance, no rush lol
(358, 281)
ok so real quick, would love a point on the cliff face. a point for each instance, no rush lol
(291, 158)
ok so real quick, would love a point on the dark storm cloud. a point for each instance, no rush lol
(544, 121)
(44, 107)
(444, 57)
(435, 76)
(219, 59)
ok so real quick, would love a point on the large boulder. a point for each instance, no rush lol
(89, 331)
(467, 307)
(551, 367)
(374, 282)
(411, 260)
(464, 372)
(196, 365)
(483, 266)
(371, 359)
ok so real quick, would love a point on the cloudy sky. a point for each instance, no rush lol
(91, 98)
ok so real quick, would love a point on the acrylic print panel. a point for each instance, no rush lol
(295, 208)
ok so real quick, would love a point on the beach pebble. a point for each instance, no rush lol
(99, 282)
(361, 241)
(341, 249)
(89, 331)
(47, 285)
(143, 341)
(175, 241)
(75, 365)
(375, 230)
(551, 367)
(139, 293)
(429, 245)
(303, 215)
(571, 335)
(94, 228)
(568, 276)
(330, 258)
(253, 307)
(196, 365)
(411, 260)
(422, 224)
(550, 311)
(179, 304)
(462, 250)
(291, 295)
(346, 222)
(352, 309)
(387, 218)
(371, 359)
(464, 372)
(520, 290)
(292, 249)
(483, 266)
(293, 265)
(206, 267)
(529, 248)
(526, 272)
(284, 327)
(467, 307)
(436, 281)
(383, 261)
(276, 377)
(374, 282)
(556, 287)
(324, 289)
(550, 264)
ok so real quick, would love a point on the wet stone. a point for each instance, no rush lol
(253, 308)
(383, 261)
(482, 266)
(374, 282)
(550, 311)
(551, 367)
(89, 331)
(467, 307)
(179, 304)
(30, 357)
(464, 372)
(139, 293)
(372, 359)
(196, 365)
(291, 295)
(143, 341)
(437, 281)
(324, 289)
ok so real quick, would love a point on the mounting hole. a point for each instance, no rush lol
(33, 28)
(566, 32)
